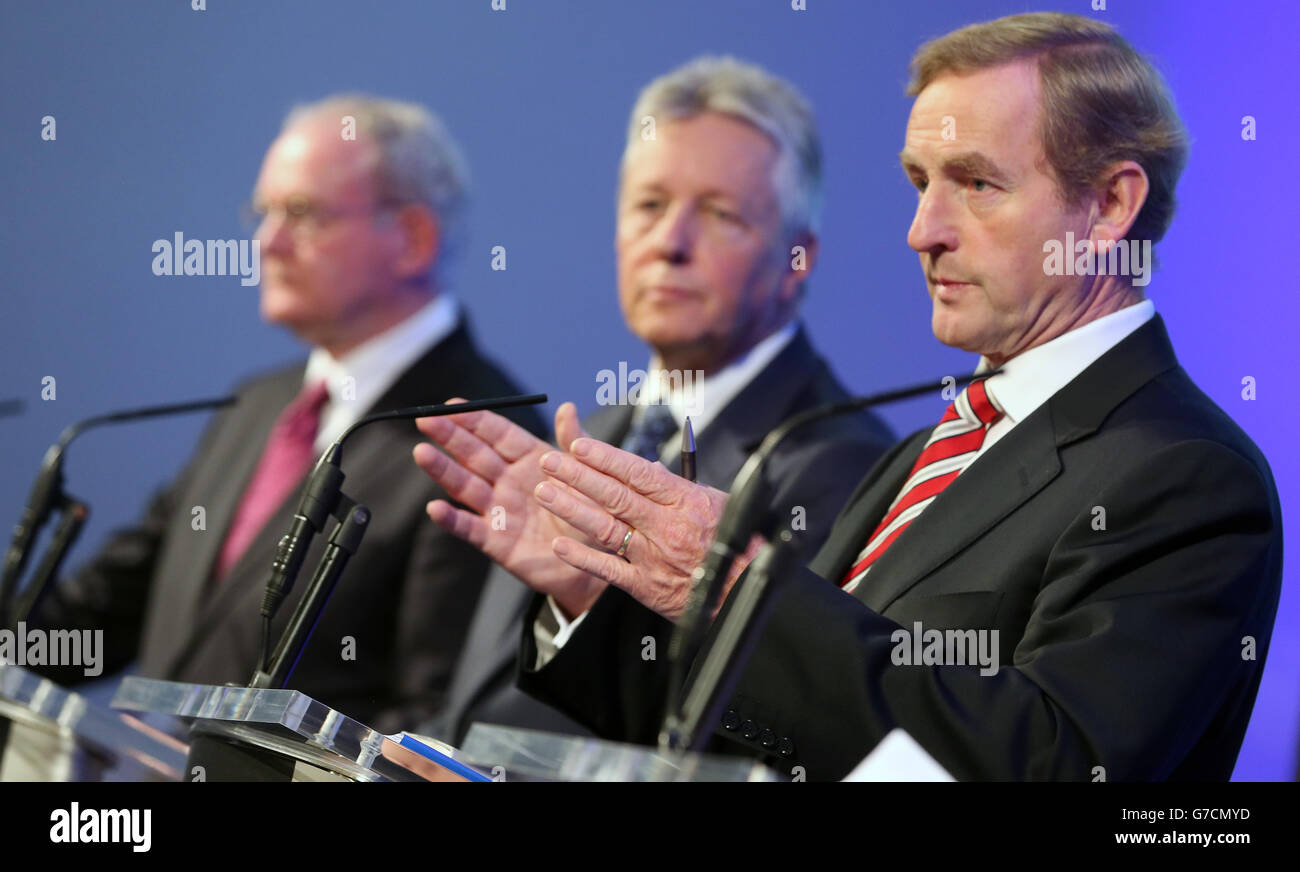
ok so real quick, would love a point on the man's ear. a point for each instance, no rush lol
(1120, 195)
(799, 257)
(421, 241)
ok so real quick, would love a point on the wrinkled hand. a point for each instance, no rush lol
(492, 466)
(602, 491)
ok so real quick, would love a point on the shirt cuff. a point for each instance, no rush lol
(551, 631)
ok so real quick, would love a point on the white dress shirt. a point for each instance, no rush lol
(360, 377)
(1029, 379)
(703, 399)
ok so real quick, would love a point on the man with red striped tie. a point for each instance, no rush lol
(1072, 576)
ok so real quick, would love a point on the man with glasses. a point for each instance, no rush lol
(358, 210)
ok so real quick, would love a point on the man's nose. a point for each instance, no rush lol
(932, 226)
(275, 232)
(675, 235)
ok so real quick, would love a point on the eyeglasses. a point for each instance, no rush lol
(303, 217)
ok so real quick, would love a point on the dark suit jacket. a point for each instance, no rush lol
(405, 598)
(815, 470)
(1130, 647)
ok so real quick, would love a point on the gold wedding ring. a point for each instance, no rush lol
(622, 549)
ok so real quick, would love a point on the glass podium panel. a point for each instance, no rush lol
(286, 731)
(49, 733)
(302, 739)
(532, 755)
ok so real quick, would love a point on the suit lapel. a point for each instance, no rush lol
(1018, 466)
(609, 424)
(739, 426)
(367, 459)
(432, 379)
(228, 489)
(864, 513)
(220, 488)
(756, 410)
(492, 642)
(999, 481)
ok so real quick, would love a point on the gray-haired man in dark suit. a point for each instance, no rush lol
(356, 233)
(717, 231)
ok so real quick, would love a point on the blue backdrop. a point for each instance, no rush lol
(163, 113)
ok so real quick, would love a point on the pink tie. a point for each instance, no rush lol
(285, 460)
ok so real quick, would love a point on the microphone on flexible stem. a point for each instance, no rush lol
(323, 498)
(47, 495)
(65, 534)
(742, 517)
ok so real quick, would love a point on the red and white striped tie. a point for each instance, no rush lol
(950, 449)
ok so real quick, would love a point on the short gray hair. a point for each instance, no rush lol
(418, 161)
(751, 94)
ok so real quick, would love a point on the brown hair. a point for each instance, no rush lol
(1102, 101)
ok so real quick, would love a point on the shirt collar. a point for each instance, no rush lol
(704, 398)
(1029, 379)
(359, 378)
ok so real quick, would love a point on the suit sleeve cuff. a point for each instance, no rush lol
(552, 630)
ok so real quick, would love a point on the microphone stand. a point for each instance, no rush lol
(322, 499)
(47, 496)
(73, 518)
(683, 724)
(343, 543)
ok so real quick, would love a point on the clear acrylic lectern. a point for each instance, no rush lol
(49, 733)
(531, 755)
(262, 734)
(259, 734)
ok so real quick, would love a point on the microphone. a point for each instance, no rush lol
(321, 499)
(741, 518)
(47, 493)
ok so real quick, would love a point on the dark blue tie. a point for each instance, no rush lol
(649, 433)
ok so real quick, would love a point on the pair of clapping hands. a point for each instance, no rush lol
(558, 519)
